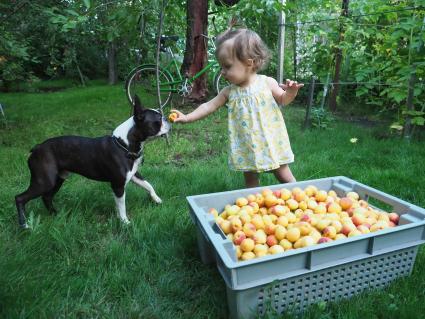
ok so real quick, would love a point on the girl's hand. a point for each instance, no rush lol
(182, 118)
(291, 87)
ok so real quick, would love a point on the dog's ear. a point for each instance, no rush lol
(137, 107)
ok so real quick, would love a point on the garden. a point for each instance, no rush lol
(64, 73)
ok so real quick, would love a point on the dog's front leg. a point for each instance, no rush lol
(139, 180)
(119, 195)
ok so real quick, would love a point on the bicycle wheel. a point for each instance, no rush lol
(220, 82)
(142, 81)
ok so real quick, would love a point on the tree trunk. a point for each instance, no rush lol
(112, 63)
(338, 59)
(195, 56)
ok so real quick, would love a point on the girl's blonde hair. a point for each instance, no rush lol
(247, 45)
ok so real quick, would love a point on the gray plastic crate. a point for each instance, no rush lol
(298, 278)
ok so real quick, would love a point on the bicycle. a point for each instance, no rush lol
(142, 79)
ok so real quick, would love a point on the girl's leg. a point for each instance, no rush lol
(284, 174)
(251, 179)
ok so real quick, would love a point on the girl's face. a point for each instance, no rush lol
(232, 69)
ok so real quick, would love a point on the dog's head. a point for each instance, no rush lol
(145, 124)
(149, 123)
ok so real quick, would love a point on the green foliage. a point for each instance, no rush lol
(321, 118)
(382, 42)
(14, 59)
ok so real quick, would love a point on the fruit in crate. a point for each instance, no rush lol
(274, 221)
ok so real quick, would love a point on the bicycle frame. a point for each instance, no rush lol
(181, 79)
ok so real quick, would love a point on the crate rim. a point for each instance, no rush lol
(229, 263)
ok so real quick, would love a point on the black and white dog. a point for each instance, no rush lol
(114, 159)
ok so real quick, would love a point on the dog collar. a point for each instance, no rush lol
(130, 155)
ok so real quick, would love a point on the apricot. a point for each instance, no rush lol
(345, 203)
(275, 249)
(172, 117)
(247, 244)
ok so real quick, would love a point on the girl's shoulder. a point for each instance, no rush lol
(269, 81)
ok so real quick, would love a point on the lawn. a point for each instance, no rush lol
(83, 263)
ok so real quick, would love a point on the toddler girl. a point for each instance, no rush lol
(257, 134)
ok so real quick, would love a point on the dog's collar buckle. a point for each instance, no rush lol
(130, 155)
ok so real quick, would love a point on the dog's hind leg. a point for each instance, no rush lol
(43, 180)
(34, 190)
(139, 180)
(119, 196)
(48, 197)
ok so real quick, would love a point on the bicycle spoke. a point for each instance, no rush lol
(143, 83)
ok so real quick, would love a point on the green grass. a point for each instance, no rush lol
(83, 263)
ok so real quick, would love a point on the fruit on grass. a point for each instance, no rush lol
(172, 117)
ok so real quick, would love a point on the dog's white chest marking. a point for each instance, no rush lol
(133, 171)
(122, 130)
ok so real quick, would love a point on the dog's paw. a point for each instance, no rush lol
(156, 199)
(126, 221)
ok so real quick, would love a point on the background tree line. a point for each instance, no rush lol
(375, 47)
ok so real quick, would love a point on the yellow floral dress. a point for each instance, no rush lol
(258, 138)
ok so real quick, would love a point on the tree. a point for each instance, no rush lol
(195, 56)
(338, 59)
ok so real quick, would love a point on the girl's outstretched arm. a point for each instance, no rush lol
(204, 109)
(284, 93)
